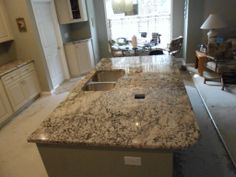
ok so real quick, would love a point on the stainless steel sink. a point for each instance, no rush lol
(103, 80)
(107, 76)
(99, 86)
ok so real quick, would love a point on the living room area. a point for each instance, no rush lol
(215, 79)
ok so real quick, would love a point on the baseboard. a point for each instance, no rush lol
(49, 93)
(15, 114)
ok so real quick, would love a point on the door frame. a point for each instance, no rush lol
(58, 37)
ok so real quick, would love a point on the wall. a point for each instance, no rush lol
(198, 11)
(226, 9)
(177, 18)
(193, 33)
(27, 45)
(101, 28)
(93, 28)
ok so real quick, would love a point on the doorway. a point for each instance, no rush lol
(46, 21)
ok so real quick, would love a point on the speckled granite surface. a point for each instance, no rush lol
(163, 120)
(4, 69)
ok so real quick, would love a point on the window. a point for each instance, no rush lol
(144, 16)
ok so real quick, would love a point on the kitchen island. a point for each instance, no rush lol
(129, 130)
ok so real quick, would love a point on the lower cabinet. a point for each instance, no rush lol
(30, 86)
(21, 86)
(16, 95)
(80, 57)
(5, 108)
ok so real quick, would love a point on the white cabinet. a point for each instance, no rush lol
(71, 11)
(16, 95)
(21, 86)
(5, 108)
(80, 57)
(5, 32)
(30, 86)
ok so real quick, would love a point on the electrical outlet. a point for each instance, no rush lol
(134, 161)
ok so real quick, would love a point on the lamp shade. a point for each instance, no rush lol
(213, 22)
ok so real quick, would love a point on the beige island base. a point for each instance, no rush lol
(124, 119)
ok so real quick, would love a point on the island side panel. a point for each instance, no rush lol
(66, 161)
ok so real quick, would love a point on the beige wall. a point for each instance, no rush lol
(27, 45)
(198, 12)
(226, 9)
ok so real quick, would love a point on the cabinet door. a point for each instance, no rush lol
(30, 85)
(16, 95)
(5, 34)
(5, 108)
(85, 56)
(71, 11)
(78, 10)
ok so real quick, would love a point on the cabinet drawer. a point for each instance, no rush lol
(11, 77)
(26, 69)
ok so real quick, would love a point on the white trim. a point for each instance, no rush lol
(171, 19)
(59, 41)
(66, 74)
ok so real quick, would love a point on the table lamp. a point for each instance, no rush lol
(212, 23)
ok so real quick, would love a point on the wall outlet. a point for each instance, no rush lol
(134, 161)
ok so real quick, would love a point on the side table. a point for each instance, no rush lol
(200, 62)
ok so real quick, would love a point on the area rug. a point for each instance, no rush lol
(221, 106)
(208, 157)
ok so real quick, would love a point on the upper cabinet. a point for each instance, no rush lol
(71, 11)
(5, 32)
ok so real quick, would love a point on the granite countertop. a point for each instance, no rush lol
(163, 120)
(13, 65)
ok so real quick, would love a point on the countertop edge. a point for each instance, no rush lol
(15, 67)
(114, 146)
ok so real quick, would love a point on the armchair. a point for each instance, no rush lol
(114, 49)
(223, 64)
(175, 46)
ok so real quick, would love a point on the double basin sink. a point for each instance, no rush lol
(103, 80)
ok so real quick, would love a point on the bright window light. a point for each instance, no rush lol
(143, 16)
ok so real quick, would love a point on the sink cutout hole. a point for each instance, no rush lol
(139, 96)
